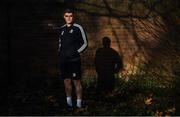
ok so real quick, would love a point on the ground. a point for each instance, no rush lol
(128, 98)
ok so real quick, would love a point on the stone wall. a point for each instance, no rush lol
(133, 35)
(32, 45)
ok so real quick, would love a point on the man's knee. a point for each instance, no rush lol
(67, 81)
(77, 84)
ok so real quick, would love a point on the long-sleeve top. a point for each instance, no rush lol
(72, 41)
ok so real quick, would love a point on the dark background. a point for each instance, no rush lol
(29, 58)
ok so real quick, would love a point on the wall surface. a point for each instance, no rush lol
(30, 47)
(132, 33)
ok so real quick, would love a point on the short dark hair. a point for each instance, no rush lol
(68, 10)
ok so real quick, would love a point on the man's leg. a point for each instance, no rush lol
(78, 87)
(68, 90)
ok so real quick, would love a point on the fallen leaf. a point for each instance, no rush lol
(148, 101)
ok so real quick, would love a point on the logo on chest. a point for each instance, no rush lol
(71, 31)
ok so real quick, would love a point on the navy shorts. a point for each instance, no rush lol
(71, 70)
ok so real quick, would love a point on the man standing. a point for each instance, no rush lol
(72, 41)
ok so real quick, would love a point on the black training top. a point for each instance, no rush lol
(72, 41)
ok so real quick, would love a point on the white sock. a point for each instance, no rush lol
(79, 103)
(69, 101)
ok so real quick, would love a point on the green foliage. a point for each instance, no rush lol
(89, 82)
(138, 96)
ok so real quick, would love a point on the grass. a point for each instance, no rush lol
(139, 96)
(135, 97)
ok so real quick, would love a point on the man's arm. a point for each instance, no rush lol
(84, 38)
(59, 44)
(53, 26)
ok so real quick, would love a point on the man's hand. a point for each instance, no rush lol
(50, 25)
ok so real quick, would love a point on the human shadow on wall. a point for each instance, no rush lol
(107, 63)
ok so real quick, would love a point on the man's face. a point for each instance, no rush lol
(68, 17)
